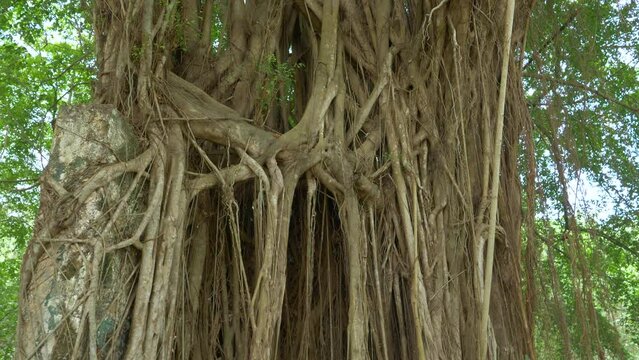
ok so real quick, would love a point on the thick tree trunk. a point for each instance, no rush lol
(314, 183)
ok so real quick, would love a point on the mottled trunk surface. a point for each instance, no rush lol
(293, 179)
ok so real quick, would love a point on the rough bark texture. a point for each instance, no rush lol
(71, 273)
(312, 184)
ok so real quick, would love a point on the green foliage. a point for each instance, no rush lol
(615, 285)
(585, 76)
(9, 286)
(582, 79)
(218, 34)
(46, 62)
(278, 84)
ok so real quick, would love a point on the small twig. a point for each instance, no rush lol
(584, 87)
(551, 39)
(18, 181)
(446, 284)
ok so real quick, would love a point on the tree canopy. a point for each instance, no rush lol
(578, 165)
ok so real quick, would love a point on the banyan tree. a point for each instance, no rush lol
(287, 179)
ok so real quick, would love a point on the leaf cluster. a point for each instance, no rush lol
(582, 83)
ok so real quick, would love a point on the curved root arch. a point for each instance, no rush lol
(316, 181)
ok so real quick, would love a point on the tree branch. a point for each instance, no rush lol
(584, 87)
(610, 239)
(554, 36)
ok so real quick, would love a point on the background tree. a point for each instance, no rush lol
(582, 78)
(372, 242)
